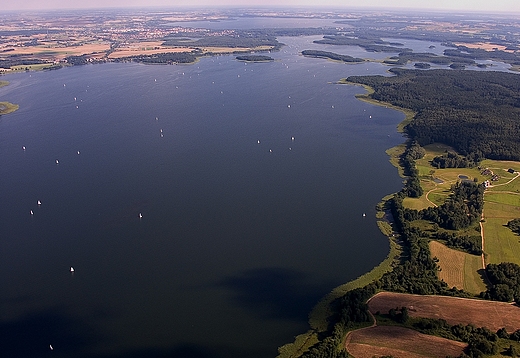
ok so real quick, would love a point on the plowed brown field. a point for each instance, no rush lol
(400, 342)
(480, 313)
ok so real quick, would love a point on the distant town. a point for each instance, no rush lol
(31, 41)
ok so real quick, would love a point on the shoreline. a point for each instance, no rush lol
(322, 311)
(7, 107)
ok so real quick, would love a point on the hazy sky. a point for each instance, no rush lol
(471, 5)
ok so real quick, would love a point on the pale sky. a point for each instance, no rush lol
(511, 6)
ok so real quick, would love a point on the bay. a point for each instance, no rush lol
(238, 239)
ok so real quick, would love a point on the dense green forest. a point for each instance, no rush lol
(505, 282)
(476, 112)
(331, 55)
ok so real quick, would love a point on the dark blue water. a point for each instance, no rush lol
(237, 240)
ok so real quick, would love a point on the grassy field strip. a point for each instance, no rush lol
(480, 313)
(458, 269)
(473, 281)
(400, 342)
(451, 263)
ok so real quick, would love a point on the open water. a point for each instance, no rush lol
(238, 238)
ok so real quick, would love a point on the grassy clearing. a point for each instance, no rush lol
(451, 263)
(436, 183)
(424, 201)
(458, 269)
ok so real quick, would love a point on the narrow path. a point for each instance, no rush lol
(427, 198)
(482, 236)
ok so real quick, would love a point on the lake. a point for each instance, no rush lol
(251, 179)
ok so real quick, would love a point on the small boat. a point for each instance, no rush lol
(258, 142)
(364, 214)
(32, 212)
(39, 202)
(23, 147)
(71, 269)
(292, 138)
(78, 151)
(57, 161)
(51, 347)
(140, 216)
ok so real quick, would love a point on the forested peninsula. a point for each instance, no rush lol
(478, 114)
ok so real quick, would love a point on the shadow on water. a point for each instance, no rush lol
(32, 335)
(276, 292)
(189, 351)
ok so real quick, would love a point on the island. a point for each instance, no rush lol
(254, 58)
(331, 56)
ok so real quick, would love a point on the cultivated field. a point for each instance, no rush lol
(458, 269)
(480, 313)
(400, 342)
